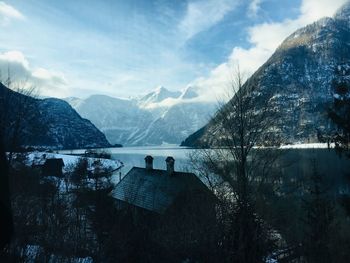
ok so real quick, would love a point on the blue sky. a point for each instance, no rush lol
(127, 48)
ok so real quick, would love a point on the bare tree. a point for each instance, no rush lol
(19, 112)
(12, 114)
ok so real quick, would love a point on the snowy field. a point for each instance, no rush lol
(37, 158)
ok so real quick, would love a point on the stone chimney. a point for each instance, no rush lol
(149, 162)
(170, 163)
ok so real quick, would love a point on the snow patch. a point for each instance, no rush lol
(38, 158)
(307, 146)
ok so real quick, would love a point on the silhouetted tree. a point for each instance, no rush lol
(12, 114)
(241, 165)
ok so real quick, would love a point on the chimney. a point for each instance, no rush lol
(170, 162)
(149, 162)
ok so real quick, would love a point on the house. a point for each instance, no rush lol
(174, 210)
(53, 167)
(158, 190)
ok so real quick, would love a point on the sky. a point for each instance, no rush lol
(126, 48)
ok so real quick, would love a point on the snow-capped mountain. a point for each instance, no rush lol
(120, 120)
(161, 116)
(298, 80)
(50, 122)
(156, 96)
(190, 93)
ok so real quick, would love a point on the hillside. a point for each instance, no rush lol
(298, 81)
(50, 123)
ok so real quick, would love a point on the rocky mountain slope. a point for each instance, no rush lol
(162, 116)
(298, 80)
(50, 123)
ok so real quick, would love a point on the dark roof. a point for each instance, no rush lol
(156, 190)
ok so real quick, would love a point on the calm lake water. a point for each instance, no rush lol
(291, 163)
(134, 156)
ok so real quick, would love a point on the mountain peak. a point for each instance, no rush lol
(158, 95)
(161, 89)
(189, 93)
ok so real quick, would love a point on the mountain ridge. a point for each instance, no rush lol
(298, 80)
(159, 117)
(49, 123)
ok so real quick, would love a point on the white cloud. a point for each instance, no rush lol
(201, 15)
(46, 75)
(8, 12)
(215, 87)
(254, 7)
(264, 39)
(311, 10)
(48, 83)
(14, 57)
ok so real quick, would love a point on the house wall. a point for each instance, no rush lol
(186, 230)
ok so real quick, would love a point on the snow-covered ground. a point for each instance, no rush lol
(37, 158)
(307, 146)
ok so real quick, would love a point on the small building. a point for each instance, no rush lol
(53, 167)
(158, 190)
(176, 209)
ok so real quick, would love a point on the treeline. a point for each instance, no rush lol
(59, 219)
(75, 219)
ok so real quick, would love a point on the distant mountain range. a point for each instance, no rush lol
(160, 117)
(50, 123)
(298, 81)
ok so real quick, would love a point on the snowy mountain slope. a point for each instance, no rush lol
(176, 123)
(156, 96)
(162, 116)
(298, 80)
(190, 93)
(120, 120)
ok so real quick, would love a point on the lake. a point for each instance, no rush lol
(134, 156)
(295, 162)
